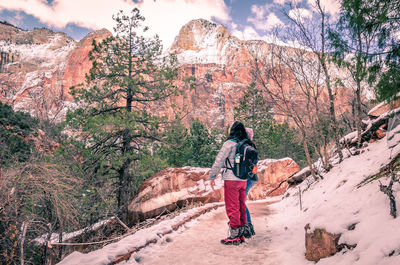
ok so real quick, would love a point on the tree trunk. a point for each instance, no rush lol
(124, 177)
(358, 114)
(307, 153)
(332, 112)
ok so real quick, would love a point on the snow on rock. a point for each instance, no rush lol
(349, 139)
(201, 41)
(335, 204)
(48, 55)
(383, 107)
(54, 238)
(173, 187)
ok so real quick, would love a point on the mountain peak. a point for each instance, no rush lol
(198, 34)
(202, 41)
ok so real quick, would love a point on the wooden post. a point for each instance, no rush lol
(24, 228)
(301, 207)
(47, 244)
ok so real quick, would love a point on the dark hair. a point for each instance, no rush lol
(237, 131)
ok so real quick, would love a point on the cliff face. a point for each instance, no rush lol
(38, 67)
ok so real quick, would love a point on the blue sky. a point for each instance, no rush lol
(246, 19)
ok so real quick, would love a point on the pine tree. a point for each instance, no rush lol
(385, 16)
(176, 149)
(203, 145)
(355, 41)
(15, 128)
(117, 126)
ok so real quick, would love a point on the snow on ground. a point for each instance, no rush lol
(200, 243)
(333, 203)
(140, 238)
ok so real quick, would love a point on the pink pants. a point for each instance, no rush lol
(235, 195)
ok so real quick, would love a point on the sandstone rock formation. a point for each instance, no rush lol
(175, 187)
(38, 67)
(322, 244)
(270, 174)
(383, 107)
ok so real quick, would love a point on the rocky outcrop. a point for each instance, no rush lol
(175, 187)
(38, 67)
(79, 64)
(384, 107)
(322, 244)
(172, 188)
(8, 31)
(271, 174)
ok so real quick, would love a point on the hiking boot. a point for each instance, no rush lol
(233, 238)
(247, 231)
(241, 233)
(251, 229)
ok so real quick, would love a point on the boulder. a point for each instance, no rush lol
(175, 187)
(271, 174)
(321, 244)
(172, 188)
(381, 132)
(384, 107)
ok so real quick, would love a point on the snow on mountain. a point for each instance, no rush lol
(204, 42)
(49, 55)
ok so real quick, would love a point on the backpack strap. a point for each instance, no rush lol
(227, 161)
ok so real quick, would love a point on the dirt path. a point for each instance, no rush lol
(200, 244)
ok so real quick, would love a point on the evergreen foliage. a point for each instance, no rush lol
(203, 145)
(389, 84)
(354, 42)
(15, 128)
(195, 147)
(128, 72)
(372, 28)
(385, 14)
(176, 149)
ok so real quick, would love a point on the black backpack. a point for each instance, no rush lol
(245, 160)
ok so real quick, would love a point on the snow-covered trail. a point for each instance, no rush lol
(200, 243)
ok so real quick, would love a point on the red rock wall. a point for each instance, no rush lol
(175, 187)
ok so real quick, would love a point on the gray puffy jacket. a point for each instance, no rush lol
(228, 149)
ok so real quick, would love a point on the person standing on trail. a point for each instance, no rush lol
(234, 187)
(249, 228)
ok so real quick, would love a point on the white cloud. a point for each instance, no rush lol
(15, 20)
(249, 33)
(332, 7)
(234, 26)
(164, 17)
(300, 14)
(280, 2)
(261, 21)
